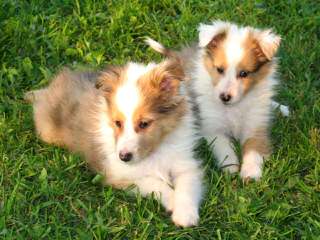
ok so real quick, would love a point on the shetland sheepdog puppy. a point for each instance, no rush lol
(232, 74)
(134, 125)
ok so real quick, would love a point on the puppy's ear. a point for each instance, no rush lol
(160, 86)
(211, 35)
(167, 77)
(265, 44)
(109, 79)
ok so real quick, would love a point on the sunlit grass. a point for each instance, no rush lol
(46, 192)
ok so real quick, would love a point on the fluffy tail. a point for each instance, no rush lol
(158, 47)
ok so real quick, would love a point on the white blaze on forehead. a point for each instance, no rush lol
(128, 95)
(233, 45)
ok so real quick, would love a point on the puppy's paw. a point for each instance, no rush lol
(250, 171)
(252, 166)
(185, 216)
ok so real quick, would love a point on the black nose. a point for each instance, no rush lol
(126, 157)
(225, 97)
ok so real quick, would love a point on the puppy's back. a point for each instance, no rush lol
(57, 107)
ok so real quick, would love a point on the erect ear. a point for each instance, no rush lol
(109, 79)
(211, 35)
(266, 44)
(166, 78)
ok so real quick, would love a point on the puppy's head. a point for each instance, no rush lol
(236, 58)
(144, 105)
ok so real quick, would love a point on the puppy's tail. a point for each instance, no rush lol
(158, 47)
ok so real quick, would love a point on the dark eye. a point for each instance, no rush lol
(243, 74)
(220, 70)
(118, 124)
(144, 124)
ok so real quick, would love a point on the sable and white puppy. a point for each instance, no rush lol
(134, 124)
(232, 73)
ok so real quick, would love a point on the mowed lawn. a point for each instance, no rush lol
(48, 193)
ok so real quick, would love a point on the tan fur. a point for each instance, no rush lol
(267, 46)
(259, 142)
(110, 79)
(45, 127)
(215, 57)
(255, 62)
(64, 113)
(108, 82)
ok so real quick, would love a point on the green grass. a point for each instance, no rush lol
(46, 192)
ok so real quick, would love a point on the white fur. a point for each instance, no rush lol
(235, 38)
(170, 172)
(155, 45)
(245, 114)
(207, 32)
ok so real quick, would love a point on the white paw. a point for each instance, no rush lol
(250, 171)
(252, 166)
(185, 216)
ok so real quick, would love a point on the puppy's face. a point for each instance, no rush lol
(236, 58)
(144, 106)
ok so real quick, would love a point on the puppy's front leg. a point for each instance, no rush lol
(187, 196)
(225, 154)
(161, 189)
(255, 149)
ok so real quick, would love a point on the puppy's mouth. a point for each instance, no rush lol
(230, 103)
(227, 103)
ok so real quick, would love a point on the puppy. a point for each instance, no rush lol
(232, 74)
(135, 126)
